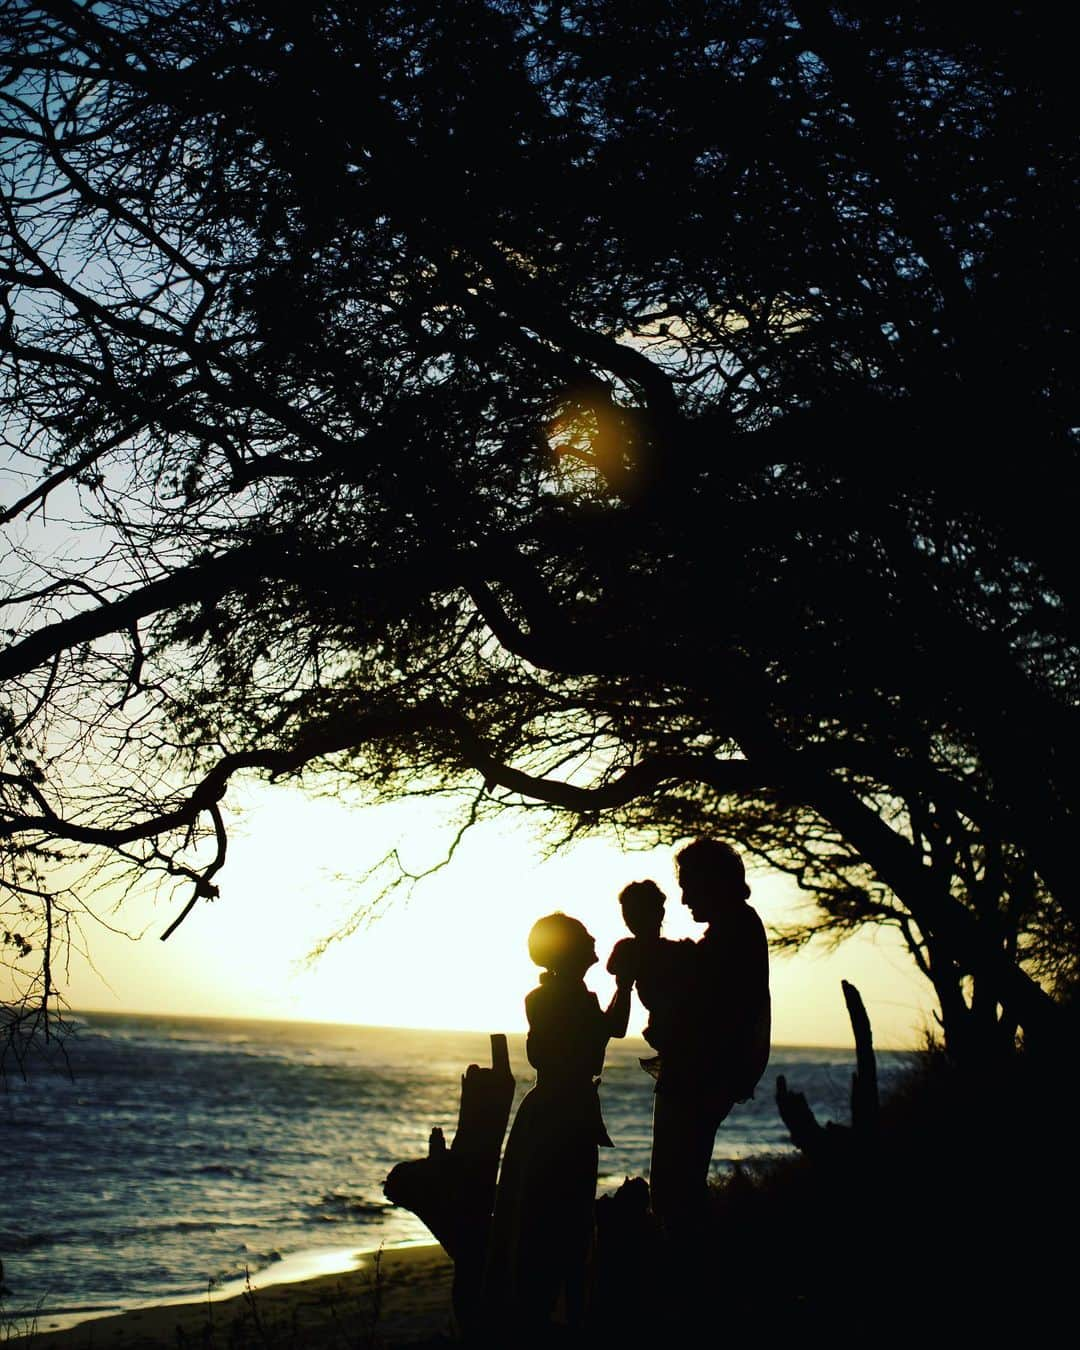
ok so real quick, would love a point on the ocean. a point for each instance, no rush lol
(180, 1156)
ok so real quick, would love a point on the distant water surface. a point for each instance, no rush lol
(185, 1151)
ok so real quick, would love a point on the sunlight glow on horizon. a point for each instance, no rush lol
(452, 956)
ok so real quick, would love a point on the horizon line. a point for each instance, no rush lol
(449, 1031)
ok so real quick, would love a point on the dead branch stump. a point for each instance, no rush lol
(453, 1189)
(832, 1141)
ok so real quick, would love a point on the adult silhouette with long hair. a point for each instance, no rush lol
(710, 1021)
(542, 1230)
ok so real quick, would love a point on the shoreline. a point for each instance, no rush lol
(401, 1295)
(298, 1266)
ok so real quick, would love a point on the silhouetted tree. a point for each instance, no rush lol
(659, 412)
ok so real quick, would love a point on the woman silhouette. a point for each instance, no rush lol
(542, 1229)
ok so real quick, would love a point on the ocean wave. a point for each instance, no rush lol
(219, 1170)
(191, 1226)
(106, 1235)
(244, 1267)
(340, 1206)
(11, 1241)
(262, 1259)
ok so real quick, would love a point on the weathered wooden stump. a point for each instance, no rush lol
(832, 1141)
(626, 1264)
(864, 1085)
(453, 1189)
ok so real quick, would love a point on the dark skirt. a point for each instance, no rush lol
(542, 1230)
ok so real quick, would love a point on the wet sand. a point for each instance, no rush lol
(399, 1298)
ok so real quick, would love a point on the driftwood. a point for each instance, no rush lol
(453, 1189)
(832, 1141)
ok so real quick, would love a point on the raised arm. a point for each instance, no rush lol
(617, 1012)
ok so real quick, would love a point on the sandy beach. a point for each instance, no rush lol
(400, 1297)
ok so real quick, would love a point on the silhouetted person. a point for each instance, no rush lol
(542, 1230)
(713, 1037)
(657, 966)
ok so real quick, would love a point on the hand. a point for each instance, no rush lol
(623, 961)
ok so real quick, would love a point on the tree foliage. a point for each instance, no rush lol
(661, 412)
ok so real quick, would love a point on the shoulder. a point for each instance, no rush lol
(681, 952)
(555, 994)
(754, 926)
(743, 923)
(675, 950)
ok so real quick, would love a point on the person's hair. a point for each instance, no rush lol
(717, 859)
(556, 939)
(642, 898)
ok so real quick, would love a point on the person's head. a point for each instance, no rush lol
(711, 877)
(559, 943)
(642, 908)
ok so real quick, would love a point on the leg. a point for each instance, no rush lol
(684, 1130)
(579, 1235)
(557, 1232)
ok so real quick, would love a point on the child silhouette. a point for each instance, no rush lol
(652, 962)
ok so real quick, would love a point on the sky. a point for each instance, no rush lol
(452, 953)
